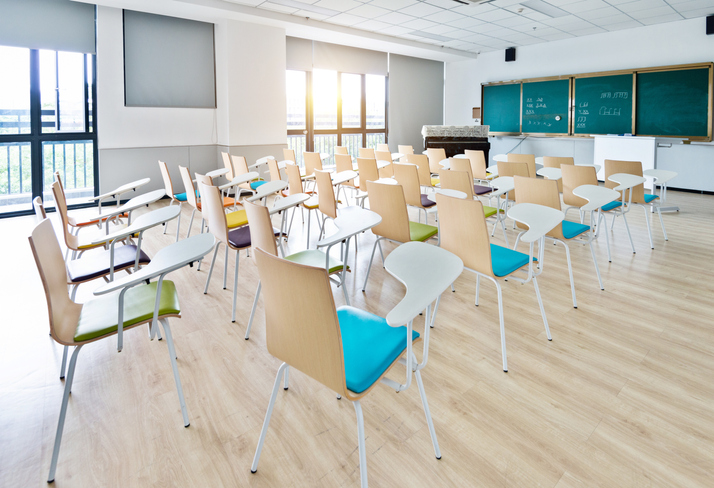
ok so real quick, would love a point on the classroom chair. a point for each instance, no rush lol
(169, 187)
(477, 159)
(557, 162)
(382, 148)
(75, 224)
(460, 164)
(294, 187)
(407, 177)
(343, 162)
(341, 150)
(405, 150)
(387, 171)
(435, 155)
(508, 168)
(367, 152)
(421, 161)
(240, 165)
(529, 159)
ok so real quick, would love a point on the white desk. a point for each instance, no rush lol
(447, 192)
(118, 192)
(136, 202)
(267, 189)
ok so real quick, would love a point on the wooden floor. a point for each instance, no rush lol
(622, 397)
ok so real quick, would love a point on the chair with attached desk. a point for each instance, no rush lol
(132, 304)
(407, 177)
(347, 349)
(343, 162)
(382, 147)
(386, 171)
(558, 162)
(312, 161)
(421, 161)
(529, 159)
(341, 150)
(477, 159)
(294, 187)
(240, 165)
(327, 203)
(389, 202)
(169, 187)
(435, 155)
(367, 152)
(545, 193)
(637, 195)
(75, 224)
(461, 164)
(463, 231)
(512, 169)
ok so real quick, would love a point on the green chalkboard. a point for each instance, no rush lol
(674, 103)
(545, 106)
(603, 105)
(502, 107)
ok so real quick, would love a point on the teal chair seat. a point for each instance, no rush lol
(369, 345)
(572, 229)
(181, 197)
(610, 206)
(255, 184)
(100, 316)
(649, 197)
(505, 261)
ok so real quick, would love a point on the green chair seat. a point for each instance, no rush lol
(100, 317)
(315, 258)
(421, 232)
(490, 211)
(369, 346)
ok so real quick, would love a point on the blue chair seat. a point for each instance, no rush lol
(572, 229)
(649, 197)
(425, 202)
(255, 184)
(181, 197)
(505, 261)
(369, 345)
(611, 205)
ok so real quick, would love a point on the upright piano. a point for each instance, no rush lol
(456, 138)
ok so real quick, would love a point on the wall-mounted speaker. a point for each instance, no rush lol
(710, 25)
(511, 54)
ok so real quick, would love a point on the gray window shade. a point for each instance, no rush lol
(57, 25)
(168, 62)
(303, 54)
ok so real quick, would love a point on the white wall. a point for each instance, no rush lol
(658, 45)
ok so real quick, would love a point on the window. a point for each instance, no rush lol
(329, 108)
(46, 125)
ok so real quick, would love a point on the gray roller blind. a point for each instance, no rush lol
(57, 25)
(303, 54)
(168, 62)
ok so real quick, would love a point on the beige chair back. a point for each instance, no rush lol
(457, 180)
(63, 312)
(388, 201)
(558, 162)
(294, 179)
(341, 150)
(367, 168)
(240, 165)
(274, 170)
(228, 165)
(573, 177)
(460, 164)
(262, 235)
(542, 192)
(435, 155)
(506, 168)
(408, 178)
(387, 171)
(301, 326)
(463, 231)
(343, 162)
(168, 186)
(613, 167)
(405, 150)
(70, 240)
(39, 209)
(383, 147)
(478, 163)
(190, 189)
(367, 152)
(312, 162)
(529, 159)
(326, 194)
(289, 155)
(213, 211)
(422, 162)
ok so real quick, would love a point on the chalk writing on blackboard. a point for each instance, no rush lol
(610, 111)
(621, 94)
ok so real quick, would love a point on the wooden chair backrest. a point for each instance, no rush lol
(463, 231)
(312, 162)
(229, 165)
(70, 240)
(262, 234)
(343, 162)
(387, 171)
(457, 180)
(542, 192)
(294, 180)
(405, 149)
(367, 168)
(301, 326)
(168, 186)
(63, 312)
(188, 185)
(274, 170)
(459, 164)
(506, 168)
(613, 167)
(240, 165)
(212, 204)
(408, 178)
(557, 161)
(39, 209)
(366, 152)
(435, 155)
(573, 177)
(326, 194)
(523, 158)
(341, 150)
(388, 201)
(383, 147)
(422, 163)
(477, 159)
(289, 155)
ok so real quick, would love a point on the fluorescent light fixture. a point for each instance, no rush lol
(306, 6)
(429, 35)
(545, 8)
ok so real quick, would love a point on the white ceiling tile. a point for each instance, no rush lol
(619, 2)
(419, 24)
(370, 11)
(693, 14)
(613, 19)
(654, 12)
(513, 21)
(533, 15)
(474, 10)
(601, 13)
(311, 15)
(392, 4)
(442, 29)
(530, 27)
(577, 7)
(661, 19)
(695, 5)
(373, 25)
(487, 28)
(339, 5)
(397, 30)
(466, 22)
(346, 19)
(623, 25)
(444, 17)
(590, 30)
(447, 4)
(505, 3)
(278, 8)
(476, 38)
(420, 10)
(641, 5)
(495, 15)
(557, 21)
(460, 33)
(395, 18)
(558, 36)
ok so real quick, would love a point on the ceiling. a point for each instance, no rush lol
(474, 26)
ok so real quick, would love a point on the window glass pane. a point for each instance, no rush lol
(14, 90)
(351, 100)
(90, 100)
(375, 88)
(296, 92)
(297, 144)
(74, 160)
(15, 176)
(324, 98)
(352, 142)
(374, 139)
(62, 76)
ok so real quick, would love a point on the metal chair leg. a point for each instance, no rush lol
(174, 366)
(361, 444)
(252, 312)
(266, 422)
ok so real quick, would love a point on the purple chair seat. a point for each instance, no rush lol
(95, 264)
(425, 202)
(240, 237)
(482, 190)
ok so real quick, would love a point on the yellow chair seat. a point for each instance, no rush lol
(236, 219)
